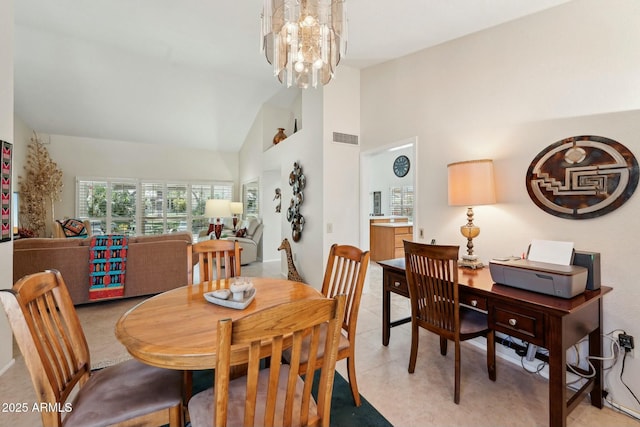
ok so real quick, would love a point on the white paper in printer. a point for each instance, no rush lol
(551, 251)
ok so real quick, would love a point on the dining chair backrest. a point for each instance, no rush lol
(213, 257)
(276, 395)
(432, 276)
(345, 273)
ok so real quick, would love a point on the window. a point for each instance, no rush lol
(401, 201)
(251, 199)
(146, 207)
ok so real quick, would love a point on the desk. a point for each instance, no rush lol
(177, 329)
(546, 321)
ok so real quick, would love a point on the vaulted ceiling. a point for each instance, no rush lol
(190, 72)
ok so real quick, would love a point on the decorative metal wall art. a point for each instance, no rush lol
(6, 228)
(298, 181)
(582, 177)
(278, 197)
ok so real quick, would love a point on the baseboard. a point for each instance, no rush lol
(6, 367)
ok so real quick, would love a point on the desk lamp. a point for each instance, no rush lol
(217, 208)
(236, 209)
(471, 183)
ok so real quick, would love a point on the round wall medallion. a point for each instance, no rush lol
(582, 177)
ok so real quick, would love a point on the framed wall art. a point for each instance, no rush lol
(582, 177)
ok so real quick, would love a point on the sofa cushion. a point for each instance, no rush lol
(241, 232)
(181, 235)
(41, 242)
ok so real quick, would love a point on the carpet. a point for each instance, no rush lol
(343, 411)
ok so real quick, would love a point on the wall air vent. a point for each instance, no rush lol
(345, 138)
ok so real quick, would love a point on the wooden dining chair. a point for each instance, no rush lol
(432, 276)
(277, 395)
(49, 334)
(212, 257)
(345, 273)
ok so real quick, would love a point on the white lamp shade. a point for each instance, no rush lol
(236, 207)
(217, 208)
(471, 183)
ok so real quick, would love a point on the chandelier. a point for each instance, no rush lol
(304, 39)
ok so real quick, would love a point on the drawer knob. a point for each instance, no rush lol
(396, 284)
(513, 322)
(474, 303)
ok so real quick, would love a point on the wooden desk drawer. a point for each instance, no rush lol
(396, 283)
(518, 322)
(474, 301)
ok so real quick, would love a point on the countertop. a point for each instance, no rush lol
(393, 224)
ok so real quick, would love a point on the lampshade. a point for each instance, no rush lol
(217, 208)
(304, 39)
(236, 207)
(471, 183)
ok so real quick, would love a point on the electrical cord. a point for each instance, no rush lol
(538, 368)
(624, 357)
(615, 349)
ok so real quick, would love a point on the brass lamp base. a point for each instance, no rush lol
(470, 231)
(470, 261)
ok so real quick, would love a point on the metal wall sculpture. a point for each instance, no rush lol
(298, 181)
(6, 229)
(582, 177)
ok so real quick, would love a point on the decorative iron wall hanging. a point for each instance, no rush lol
(6, 228)
(582, 177)
(298, 181)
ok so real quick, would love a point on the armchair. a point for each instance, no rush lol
(250, 242)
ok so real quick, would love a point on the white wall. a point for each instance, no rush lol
(6, 134)
(341, 113)
(507, 93)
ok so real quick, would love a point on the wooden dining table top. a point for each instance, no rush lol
(177, 329)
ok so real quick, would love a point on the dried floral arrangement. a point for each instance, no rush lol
(41, 186)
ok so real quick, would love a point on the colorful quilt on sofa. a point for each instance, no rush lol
(107, 266)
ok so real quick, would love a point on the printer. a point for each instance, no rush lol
(564, 281)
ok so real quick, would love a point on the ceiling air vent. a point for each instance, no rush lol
(345, 138)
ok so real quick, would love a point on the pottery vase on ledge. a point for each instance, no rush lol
(279, 136)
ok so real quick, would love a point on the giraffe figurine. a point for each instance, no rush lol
(292, 274)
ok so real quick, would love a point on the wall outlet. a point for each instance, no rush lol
(329, 227)
(421, 233)
(626, 343)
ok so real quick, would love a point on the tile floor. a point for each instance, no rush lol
(517, 398)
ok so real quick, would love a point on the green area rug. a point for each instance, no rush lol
(343, 412)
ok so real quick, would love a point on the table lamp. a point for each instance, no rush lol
(236, 209)
(217, 208)
(471, 183)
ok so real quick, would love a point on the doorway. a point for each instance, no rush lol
(385, 189)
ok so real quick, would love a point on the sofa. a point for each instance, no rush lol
(154, 263)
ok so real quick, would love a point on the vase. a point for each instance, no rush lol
(279, 136)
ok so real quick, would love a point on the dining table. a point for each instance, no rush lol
(177, 329)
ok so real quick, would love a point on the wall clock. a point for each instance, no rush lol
(401, 166)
